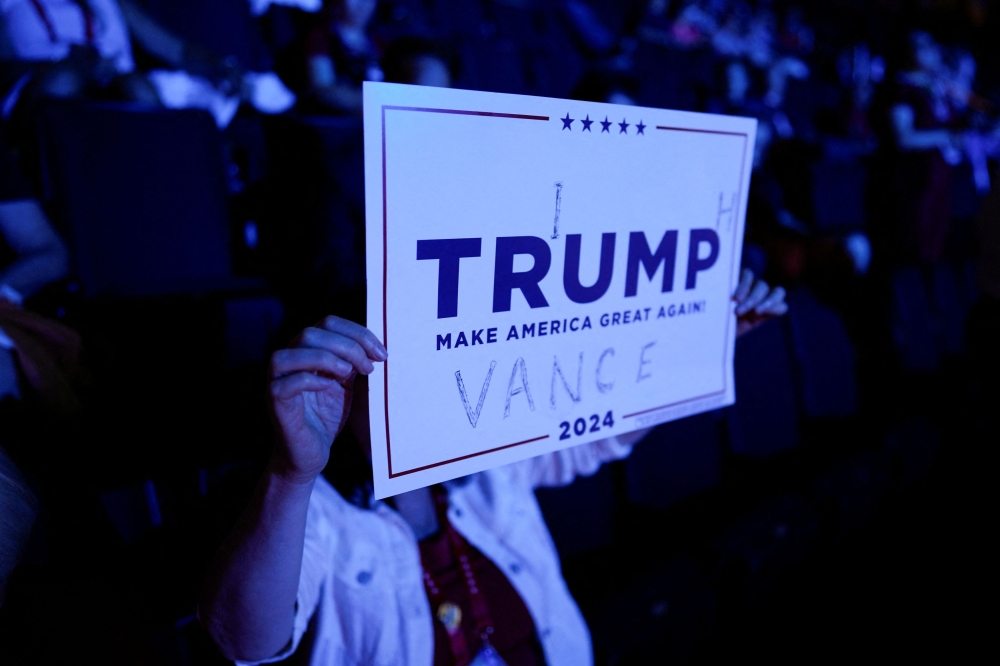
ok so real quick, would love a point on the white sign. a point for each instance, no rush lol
(544, 273)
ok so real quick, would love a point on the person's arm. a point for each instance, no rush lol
(910, 138)
(248, 601)
(561, 468)
(756, 302)
(41, 255)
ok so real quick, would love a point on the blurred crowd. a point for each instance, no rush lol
(181, 188)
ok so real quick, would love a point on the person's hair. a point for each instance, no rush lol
(401, 56)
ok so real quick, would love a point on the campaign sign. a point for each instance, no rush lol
(544, 273)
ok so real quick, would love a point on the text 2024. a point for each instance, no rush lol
(580, 427)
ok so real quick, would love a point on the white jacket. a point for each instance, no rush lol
(361, 592)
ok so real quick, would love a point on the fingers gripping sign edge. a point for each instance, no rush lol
(317, 361)
(343, 347)
(374, 348)
(290, 386)
(743, 289)
(774, 304)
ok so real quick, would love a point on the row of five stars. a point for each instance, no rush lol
(605, 125)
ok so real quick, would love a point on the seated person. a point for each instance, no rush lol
(72, 48)
(340, 56)
(928, 146)
(31, 256)
(67, 48)
(438, 575)
(207, 55)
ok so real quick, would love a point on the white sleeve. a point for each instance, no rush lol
(560, 468)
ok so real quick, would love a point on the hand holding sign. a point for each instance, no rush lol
(756, 303)
(312, 381)
(311, 389)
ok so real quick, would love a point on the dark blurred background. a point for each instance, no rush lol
(182, 191)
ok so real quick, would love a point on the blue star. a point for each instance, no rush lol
(567, 123)
(587, 122)
(640, 127)
(624, 127)
(605, 124)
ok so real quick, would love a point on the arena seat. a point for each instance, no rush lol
(339, 143)
(319, 167)
(141, 196)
